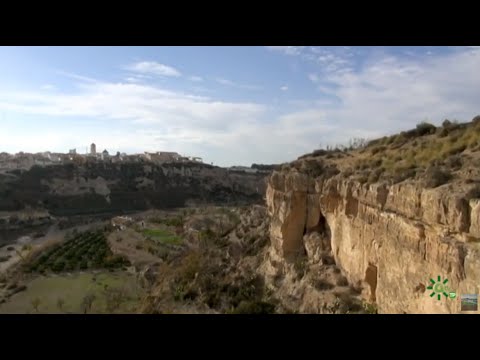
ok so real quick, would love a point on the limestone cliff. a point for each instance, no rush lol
(388, 239)
(393, 213)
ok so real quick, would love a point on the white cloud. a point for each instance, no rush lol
(287, 50)
(77, 77)
(137, 78)
(313, 78)
(135, 102)
(284, 88)
(196, 78)
(328, 60)
(152, 67)
(386, 95)
(48, 87)
(392, 94)
(227, 82)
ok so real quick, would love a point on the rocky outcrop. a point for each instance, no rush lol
(388, 240)
(96, 188)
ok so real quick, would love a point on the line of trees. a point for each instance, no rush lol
(265, 167)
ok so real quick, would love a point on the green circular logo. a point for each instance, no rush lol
(440, 287)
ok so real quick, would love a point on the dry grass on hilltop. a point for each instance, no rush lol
(435, 155)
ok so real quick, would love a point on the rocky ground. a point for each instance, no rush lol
(227, 268)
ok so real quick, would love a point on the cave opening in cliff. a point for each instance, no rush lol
(322, 226)
(321, 232)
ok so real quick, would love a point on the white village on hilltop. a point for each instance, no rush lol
(25, 161)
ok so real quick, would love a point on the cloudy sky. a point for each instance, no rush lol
(229, 105)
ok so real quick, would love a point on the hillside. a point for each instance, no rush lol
(393, 214)
(432, 155)
(105, 189)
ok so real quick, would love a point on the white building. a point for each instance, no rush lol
(105, 154)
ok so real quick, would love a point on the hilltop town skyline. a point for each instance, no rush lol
(92, 149)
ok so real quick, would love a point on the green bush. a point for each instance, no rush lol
(254, 307)
(378, 149)
(313, 168)
(453, 162)
(116, 261)
(347, 173)
(456, 150)
(374, 176)
(443, 132)
(425, 128)
(322, 285)
(370, 308)
(342, 281)
(300, 265)
(435, 176)
(58, 266)
(403, 173)
(446, 123)
(453, 138)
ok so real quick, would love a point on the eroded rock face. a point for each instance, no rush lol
(388, 240)
(66, 190)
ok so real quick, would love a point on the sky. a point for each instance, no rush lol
(228, 105)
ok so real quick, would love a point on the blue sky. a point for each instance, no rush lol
(229, 105)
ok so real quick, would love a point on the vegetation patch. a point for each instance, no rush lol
(162, 236)
(110, 292)
(435, 176)
(169, 221)
(88, 250)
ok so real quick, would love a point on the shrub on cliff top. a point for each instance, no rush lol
(425, 128)
(319, 152)
(374, 176)
(403, 173)
(448, 127)
(435, 177)
(378, 149)
(312, 168)
(457, 149)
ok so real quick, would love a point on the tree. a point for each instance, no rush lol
(60, 304)
(87, 302)
(36, 303)
(114, 297)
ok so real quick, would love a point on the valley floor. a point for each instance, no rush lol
(66, 293)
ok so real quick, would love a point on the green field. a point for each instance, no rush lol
(162, 236)
(115, 292)
(87, 250)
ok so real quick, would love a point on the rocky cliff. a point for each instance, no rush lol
(66, 190)
(389, 238)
